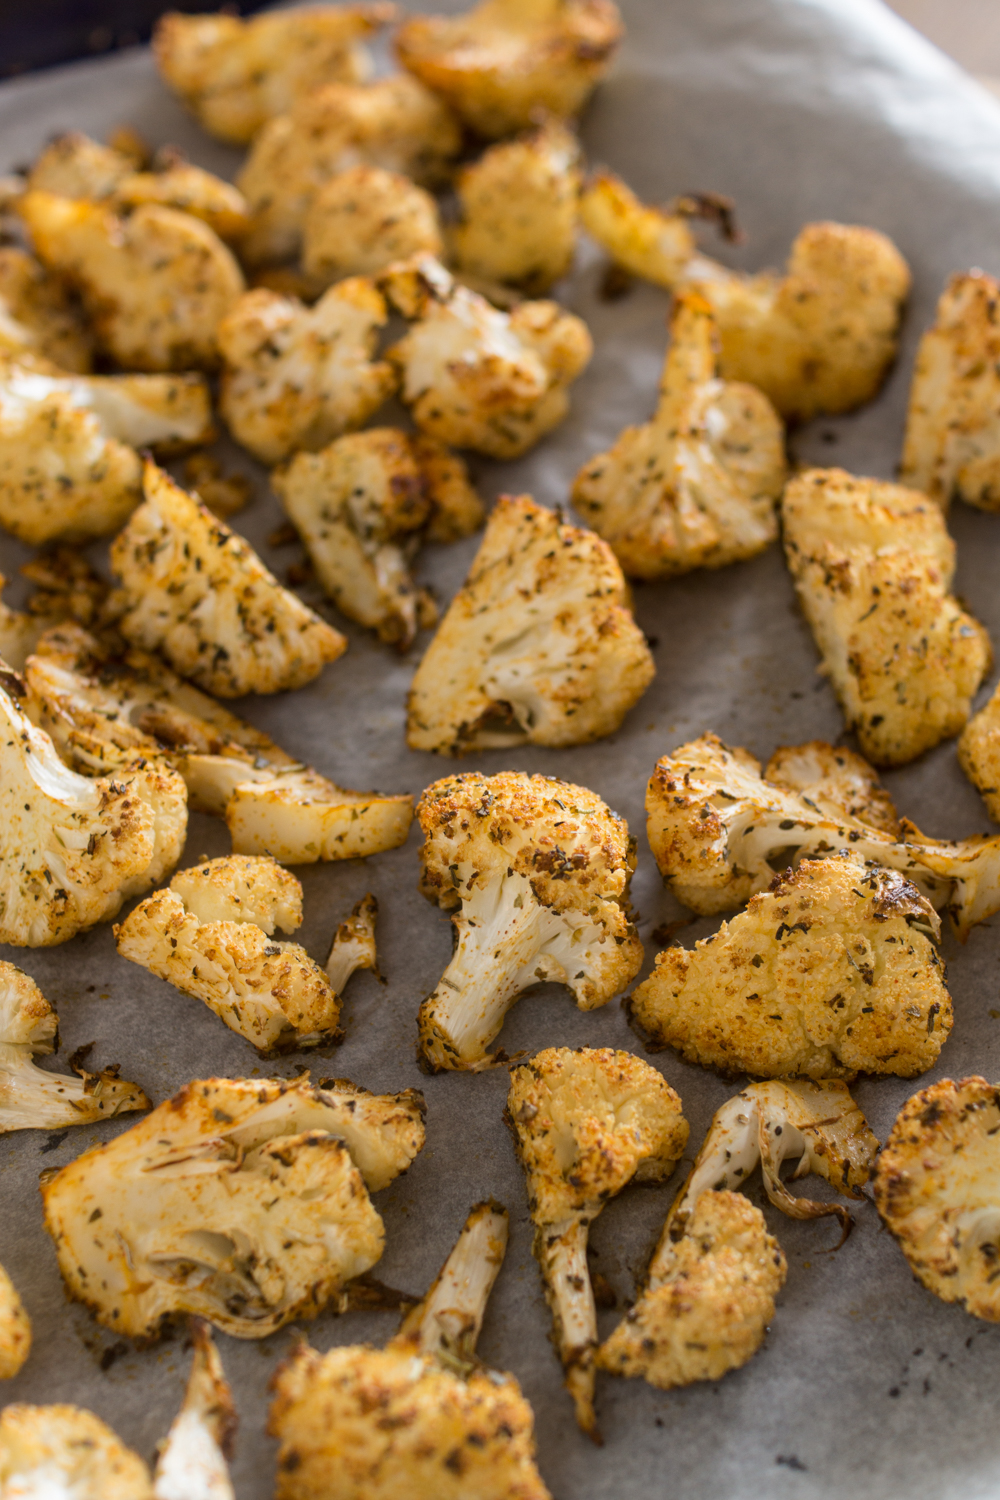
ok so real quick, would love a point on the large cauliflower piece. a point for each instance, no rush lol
(394, 123)
(37, 316)
(503, 61)
(586, 1123)
(873, 565)
(202, 596)
(363, 219)
(236, 75)
(474, 376)
(937, 1187)
(422, 1417)
(73, 849)
(536, 872)
(211, 936)
(830, 972)
(15, 1329)
(192, 1461)
(155, 284)
(537, 647)
(696, 486)
(62, 1451)
(648, 242)
(297, 376)
(243, 1201)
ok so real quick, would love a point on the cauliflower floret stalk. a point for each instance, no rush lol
(539, 871)
(353, 945)
(586, 1123)
(62, 1452)
(242, 1201)
(421, 1417)
(15, 1329)
(193, 1459)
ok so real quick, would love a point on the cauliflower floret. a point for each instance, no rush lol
(74, 165)
(362, 220)
(538, 646)
(830, 972)
(15, 1331)
(202, 596)
(37, 316)
(61, 1451)
(696, 486)
(192, 1463)
(648, 242)
(208, 935)
(837, 780)
(586, 1123)
(873, 565)
(353, 945)
(536, 872)
(474, 376)
(238, 1200)
(504, 60)
(395, 123)
(297, 376)
(420, 1418)
(979, 753)
(155, 284)
(69, 590)
(519, 209)
(236, 75)
(71, 849)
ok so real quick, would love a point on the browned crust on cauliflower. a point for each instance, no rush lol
(363, 219)
(37, 314)
(69, 1450)
(979, 753)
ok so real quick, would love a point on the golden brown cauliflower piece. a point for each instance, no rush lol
(536, 873)
(62, 1450)
(74, 165)
(537, 647)
(191, 1464)
(69, 590)
(37, 316)
(202, 596)
(979, 753)
(696, 486)
(873, 565)
(586, 1122)
(363, 219)
(474, 376)
(15, 1336)
(500, 63)
(648, 242)
(244, 1201)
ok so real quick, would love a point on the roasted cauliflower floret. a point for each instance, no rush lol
(210, 936)
(519, 209)
(538, 646)
(536, 872)
(155, 284)
(837, 781)
(66, 1451)
(979, 753)
(696, 486)
(202, 596)
(236, 75)
(831, 972)
(420, 1418)
(297, 376)
(238, 1200)
(192, 1462)
(353, 945)
(69, 589)
(37, 316)
(873, 565)
(363, 219)
(474, 376)
(395, 124)
(15, 1328)
(648, 242)
(585, 1123)
(504, 60)
(74, 165)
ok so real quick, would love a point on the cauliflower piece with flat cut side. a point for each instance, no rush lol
(696, 486)
(37, 315)
(837, 781)
(645, 241)
(979, 753)
(474, 376)
(192, 1464)
(72, 849)
(538, 647)
(235, 75)
(500, 63)
(201, 595)
(830, 972)
(421, 1417)
(586, 1122)
(295, 376)
(155, 284)
(536, 873)
(518, 208)
(210, 935)
(363, 219)
(62, 1452)
(353, 945)
(15, 1329)
(394, 123)
(243, 1201)
(873, 565)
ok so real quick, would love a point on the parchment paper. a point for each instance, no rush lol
(867, 1385)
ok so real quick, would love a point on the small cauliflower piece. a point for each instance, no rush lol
(500, 63)
(979, 753)
(155, 284)
(239, 1200)
(696, 486)
(63, 1451)
(295, 376)
(15, 1329)
(394, 123)
(830, 972)
(586, 1122)
(538, 647)
(202, 596)
(648, 242)
(474, 376)
(873, 565)
(422, 1417)
(363, 219)
(74, 165)
(192, 1463)
(69, 589)
(37, 315)
(353, 945)
(536, 873)
(235, 75)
